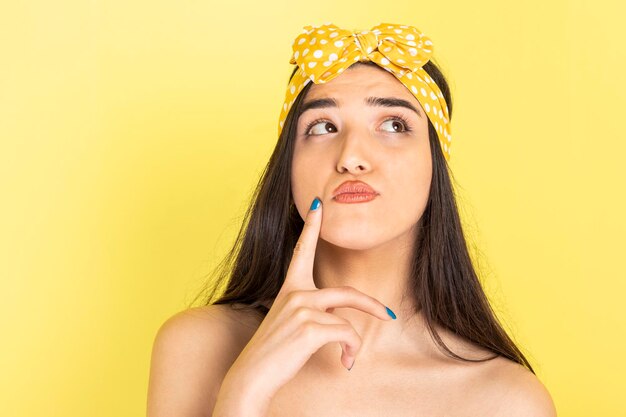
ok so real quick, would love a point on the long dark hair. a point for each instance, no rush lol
(445, 285)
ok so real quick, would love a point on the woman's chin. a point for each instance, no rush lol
(349, 236)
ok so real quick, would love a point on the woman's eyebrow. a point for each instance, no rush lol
(326, 102)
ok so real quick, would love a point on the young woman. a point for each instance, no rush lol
(350, 290)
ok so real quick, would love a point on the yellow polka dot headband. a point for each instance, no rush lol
(323, 52)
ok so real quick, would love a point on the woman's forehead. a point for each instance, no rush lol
(361, 82)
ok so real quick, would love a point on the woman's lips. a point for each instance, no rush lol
(354, 191)
(351, 198)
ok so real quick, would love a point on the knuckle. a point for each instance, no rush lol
(294, 298)
(348, 289)
(301, 313)
(308, 331)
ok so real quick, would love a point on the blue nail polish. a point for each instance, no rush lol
(315, 204)
(393, 316)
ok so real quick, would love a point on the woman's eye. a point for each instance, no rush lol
(320, 127)
(326, 127)
(397, 126)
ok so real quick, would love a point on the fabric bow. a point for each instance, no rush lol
(324, 52)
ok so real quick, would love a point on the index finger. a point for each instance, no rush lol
(300, 271)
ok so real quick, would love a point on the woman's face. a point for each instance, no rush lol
(355, 139)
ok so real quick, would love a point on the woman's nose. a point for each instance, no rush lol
(354, 152)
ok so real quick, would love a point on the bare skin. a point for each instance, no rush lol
(398, 368)
(400, 383)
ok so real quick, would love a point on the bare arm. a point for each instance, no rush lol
(192, 352)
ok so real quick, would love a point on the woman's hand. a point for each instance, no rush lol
(299, 322)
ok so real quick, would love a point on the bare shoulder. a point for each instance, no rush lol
(191, 353)
(201, 327)
(217, 314)
(518, 390)
(512, 389)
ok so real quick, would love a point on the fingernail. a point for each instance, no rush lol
(391, 313)
(315, 204)
(354, 360)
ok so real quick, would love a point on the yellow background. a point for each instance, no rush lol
(132, 133)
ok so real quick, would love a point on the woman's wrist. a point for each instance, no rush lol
(240, 397)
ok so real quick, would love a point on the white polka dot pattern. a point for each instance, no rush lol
(323, 52)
